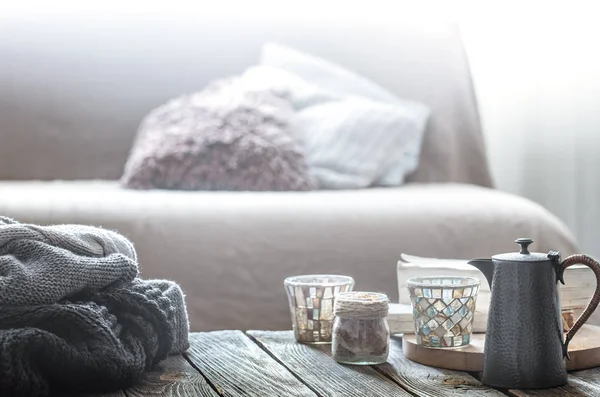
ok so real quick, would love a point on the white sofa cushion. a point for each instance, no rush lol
(231, 251)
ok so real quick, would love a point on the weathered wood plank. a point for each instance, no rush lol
(106, 394)
(174, 376)
(236, 366)
(591, 376)
(113, 394)
(581, 383)
(575, 388)
(314, 365)
(426, 381)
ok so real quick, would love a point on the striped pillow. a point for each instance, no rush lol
(357, 134)
(355, 142)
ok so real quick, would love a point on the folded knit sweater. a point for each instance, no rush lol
(75, 316)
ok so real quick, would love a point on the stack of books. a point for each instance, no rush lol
(580, 284)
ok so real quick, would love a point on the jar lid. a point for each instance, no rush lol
(358, 304)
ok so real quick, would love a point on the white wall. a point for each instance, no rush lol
(537, 78)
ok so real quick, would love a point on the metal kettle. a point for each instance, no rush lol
(524, 345)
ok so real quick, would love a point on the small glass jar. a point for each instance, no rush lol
(360, 335)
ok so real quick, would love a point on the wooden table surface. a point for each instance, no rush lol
(263, 363)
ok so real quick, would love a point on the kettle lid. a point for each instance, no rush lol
(524, 255)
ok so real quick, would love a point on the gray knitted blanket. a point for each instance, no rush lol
(74, 314)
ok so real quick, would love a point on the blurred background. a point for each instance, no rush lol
(538, 86)
(535, 73)
(534, 65)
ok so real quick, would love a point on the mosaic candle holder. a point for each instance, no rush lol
(311, 299)
(443, 309)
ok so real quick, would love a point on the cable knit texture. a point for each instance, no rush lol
(75, 316)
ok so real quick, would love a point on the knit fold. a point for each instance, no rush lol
(74, 314)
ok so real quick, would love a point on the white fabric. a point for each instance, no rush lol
(363, 135)
(350, 141)
(357, 143)
(325, 74)
(298, 91)
(230, 252)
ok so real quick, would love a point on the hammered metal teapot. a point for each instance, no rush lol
(524, 345)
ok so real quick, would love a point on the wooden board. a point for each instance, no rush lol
(314, 365)
(229, 363)
(236, 366)
(584, 351)
(172, 377)
(422, 380)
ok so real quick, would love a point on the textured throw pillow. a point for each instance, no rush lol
(354, 142)
(222, 138)
(405, 128)
(356, 133)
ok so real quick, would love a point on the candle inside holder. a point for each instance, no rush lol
(311, 299)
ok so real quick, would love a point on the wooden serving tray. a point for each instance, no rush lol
(584, 351)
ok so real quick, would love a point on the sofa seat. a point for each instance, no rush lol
(230, 251)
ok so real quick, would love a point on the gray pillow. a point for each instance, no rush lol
(222, 138)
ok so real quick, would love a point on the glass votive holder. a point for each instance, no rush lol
(443, 309)
(311, 299)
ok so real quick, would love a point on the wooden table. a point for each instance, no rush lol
(261, 363)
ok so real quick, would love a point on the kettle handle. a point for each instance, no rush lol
(595, 266)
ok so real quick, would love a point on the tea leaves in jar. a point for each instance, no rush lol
(360, 330)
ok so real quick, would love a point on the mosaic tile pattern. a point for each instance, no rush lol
(443, 310)
(311, 307)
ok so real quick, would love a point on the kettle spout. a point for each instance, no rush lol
(485, 266)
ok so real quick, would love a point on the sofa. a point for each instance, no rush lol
(73, 92)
